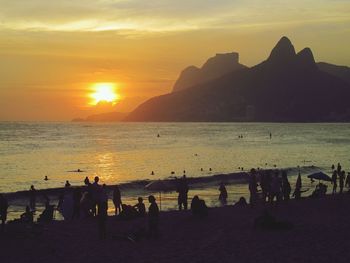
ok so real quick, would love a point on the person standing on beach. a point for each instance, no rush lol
(87, 181)
(276, 188)
(334, 181)
(338, 168)
(286, 189)
(3, 211)
(347, 180)
(117, 200)
(153, 217)
(253, 188)
(32, 197)
(223, 194)
(297, 191)
(182, 189)
(96, 189)
(341, 181)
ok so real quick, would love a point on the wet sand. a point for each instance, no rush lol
(321, 234)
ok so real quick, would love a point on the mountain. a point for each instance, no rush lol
(286, 87)
(342, 72)
(215, 67)
(104, 117)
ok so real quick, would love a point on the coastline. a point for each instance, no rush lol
(320, 234)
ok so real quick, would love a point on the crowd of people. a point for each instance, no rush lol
(91, 201)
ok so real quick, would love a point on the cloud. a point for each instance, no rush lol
(163, 15)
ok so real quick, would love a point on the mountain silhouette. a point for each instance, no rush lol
(341, 72)
(213, 68)
(286, 87)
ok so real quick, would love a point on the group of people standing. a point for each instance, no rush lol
(339, 174)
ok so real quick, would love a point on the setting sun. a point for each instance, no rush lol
(104, 92)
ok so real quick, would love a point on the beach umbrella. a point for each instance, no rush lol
(159, 186)
(320, 176)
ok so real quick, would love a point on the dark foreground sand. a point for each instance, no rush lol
(321, 234)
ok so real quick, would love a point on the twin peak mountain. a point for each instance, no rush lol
(287, 86)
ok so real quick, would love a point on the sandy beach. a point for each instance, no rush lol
(320, 234)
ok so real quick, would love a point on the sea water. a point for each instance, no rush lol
(124, 152)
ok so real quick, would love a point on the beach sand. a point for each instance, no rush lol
(321, 234)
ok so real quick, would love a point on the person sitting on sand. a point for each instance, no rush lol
(47, 214)
(198, 207)
(3, 211)
(140, 206)
(223, 194)
(27, 216)
(334, 181)
(153, 217)
(117, 200)
(128, 212)
(241, 202)
(67, 184)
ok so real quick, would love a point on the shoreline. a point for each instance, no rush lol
(319, 234)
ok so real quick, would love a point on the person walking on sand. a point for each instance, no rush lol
(223, 194)
(117, 200)
(334, 181)
(182, 189)
(3, 211)
(153, 217)
(32, 197)
(341, 181)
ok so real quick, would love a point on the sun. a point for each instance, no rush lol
(104, 92)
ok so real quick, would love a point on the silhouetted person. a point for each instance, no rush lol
(76, 203)
(152, 173)
(95, 189)
(117, 200)
(27, 216)
(198, 207)
(275, 188)
(32, 197)
(270, 135)
(338, 169)
(102, 208)
(241, 202)
(67, 184)
(87, 181)
(182, 189)
(341, 181)
(286, 189)
(46, 179)
(153, 217)
(252, 188)
(140, 206)
(333, 167)
(265, 182)
(347, 180)
(3, 211)
(297, 191)
(47, 214)
(223, 194)
(334, 181)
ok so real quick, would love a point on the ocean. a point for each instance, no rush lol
(122, 153)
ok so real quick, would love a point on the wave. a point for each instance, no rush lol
(139, 186)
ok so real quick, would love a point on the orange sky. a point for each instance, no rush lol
(51, 53)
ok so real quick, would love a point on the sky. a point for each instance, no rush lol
(53, 52)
